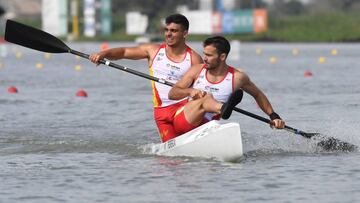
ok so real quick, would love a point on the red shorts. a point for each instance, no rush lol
(171, 123)
(164, 117)
(181, 125)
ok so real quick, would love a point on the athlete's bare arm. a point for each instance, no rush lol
(242, 81)
(182, 88)
(144, 51)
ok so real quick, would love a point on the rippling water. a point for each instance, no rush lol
(56, 147)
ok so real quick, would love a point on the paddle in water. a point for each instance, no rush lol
(33, 38)
(326, 143)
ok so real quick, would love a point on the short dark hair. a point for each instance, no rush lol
(221, 44)
(178, 19)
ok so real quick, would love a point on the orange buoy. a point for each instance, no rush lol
(295, 52)
(12, 90)
(308, 73)
(78, 67)
(322, 59)
(273, 59)
(259, 51)
(104, 46)
(334, 52)
(81, 93)
(39, 65)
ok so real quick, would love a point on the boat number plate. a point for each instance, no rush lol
(171, 143)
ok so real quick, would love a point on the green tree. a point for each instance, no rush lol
(282, 8)
(294, 7)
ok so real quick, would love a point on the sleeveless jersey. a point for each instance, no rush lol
(164, 68)
(220, 90)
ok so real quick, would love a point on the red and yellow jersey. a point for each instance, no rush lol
(164, 68)
(220, 90)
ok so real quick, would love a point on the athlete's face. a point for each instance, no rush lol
(174, 34)
(211, 57)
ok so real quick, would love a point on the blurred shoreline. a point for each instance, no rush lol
(330, 27)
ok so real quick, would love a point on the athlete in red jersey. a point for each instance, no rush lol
(167, 61)
(215, 88)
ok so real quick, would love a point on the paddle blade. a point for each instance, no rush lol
(324, 142)
(333, 144)
(329, 143)
(33, 38)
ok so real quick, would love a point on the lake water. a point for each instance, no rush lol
(56, 147)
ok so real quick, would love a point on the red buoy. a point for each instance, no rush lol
(12, 90)
(81, 93)
(308, 74)
(104, 46)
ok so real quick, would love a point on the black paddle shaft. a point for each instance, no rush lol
(123, 68)
(265, 120)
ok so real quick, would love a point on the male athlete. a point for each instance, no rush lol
(169, 61)
(215, 88)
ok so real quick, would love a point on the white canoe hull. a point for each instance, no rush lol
(211, 140)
